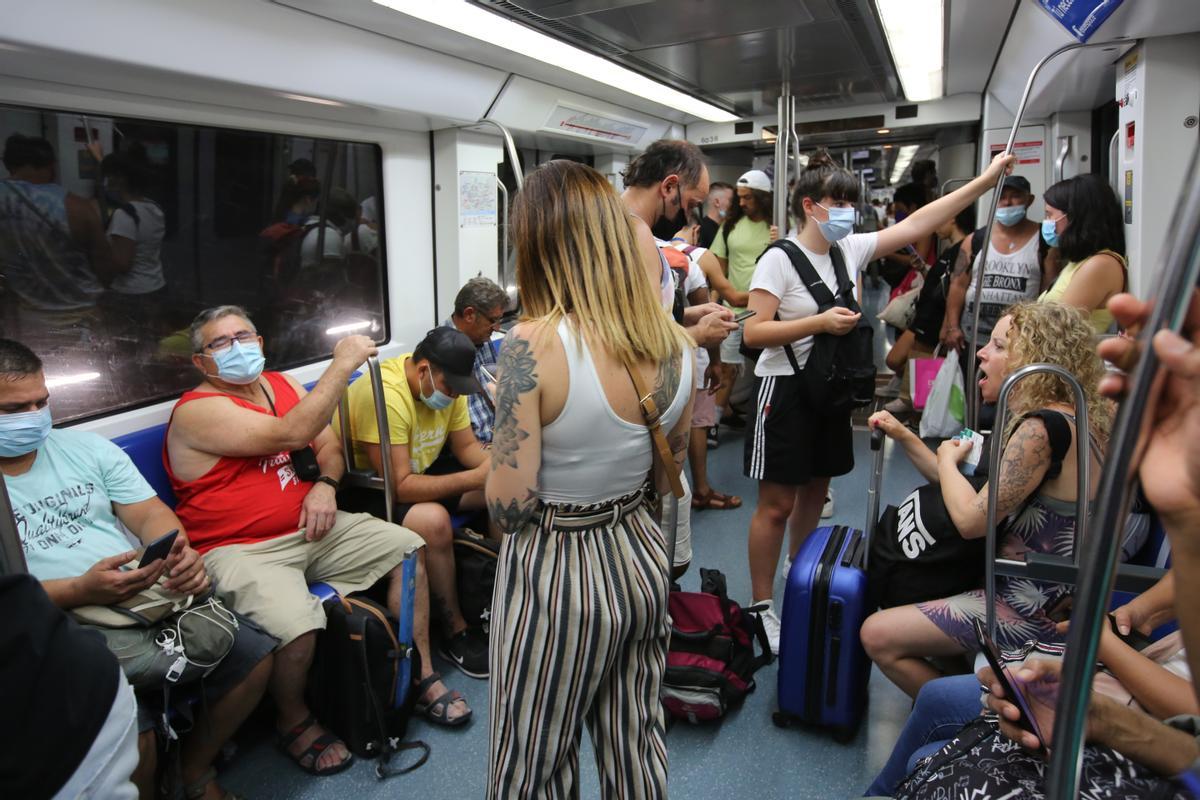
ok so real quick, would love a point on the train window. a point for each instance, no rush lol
(115, 232)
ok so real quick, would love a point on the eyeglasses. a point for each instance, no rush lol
(493, 321)
(223, 343)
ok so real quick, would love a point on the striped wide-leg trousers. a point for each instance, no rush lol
(579, 636)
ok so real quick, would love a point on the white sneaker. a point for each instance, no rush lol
(890, 389)
(827, 509)
(771, 625)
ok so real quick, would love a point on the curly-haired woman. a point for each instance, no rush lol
(1037, 484)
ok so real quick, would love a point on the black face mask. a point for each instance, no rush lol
(667, 226)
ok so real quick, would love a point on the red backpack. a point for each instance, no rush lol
(711, 661)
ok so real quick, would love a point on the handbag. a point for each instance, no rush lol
(900, 312)
(945, 407)
(921, 374)
(159, 636)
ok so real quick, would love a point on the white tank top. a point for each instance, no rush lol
(1008, 279)
(589, 454)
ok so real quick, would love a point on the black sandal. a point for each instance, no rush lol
(307, 759)
(444, 700)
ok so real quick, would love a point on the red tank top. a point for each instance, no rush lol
(241, 499)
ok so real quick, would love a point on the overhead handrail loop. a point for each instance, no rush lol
(12, 555)
(1061, 162)
(503, 230)
(1083, 456)
(510, 147)
(949, 181)
(354, 476)
(973, 396)
(1099, 557)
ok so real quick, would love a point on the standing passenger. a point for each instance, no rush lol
(581, 588)
(794, 448)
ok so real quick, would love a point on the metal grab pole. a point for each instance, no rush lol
(782, 151)
(502, 272)
(510, 147)
(1083, 467)
(385, 434)
(973, 396)
(1126, 448)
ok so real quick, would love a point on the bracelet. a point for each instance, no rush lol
(328, 481)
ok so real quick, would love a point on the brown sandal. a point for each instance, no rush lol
(715, 500)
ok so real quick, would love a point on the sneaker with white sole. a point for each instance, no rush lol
(899, 407)
(771, 625)
(827, 509)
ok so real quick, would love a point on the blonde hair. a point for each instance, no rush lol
(576, 254)
(1053, 333)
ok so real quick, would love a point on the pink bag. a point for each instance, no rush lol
(921, 374)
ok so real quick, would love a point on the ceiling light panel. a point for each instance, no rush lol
(915, 31)
(470, 20)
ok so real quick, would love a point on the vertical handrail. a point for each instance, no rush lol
(1114, 162)
(1083, 455)
(782, 151)
(873, 489)
(385, 437)
(12, 554)
(1098, 563)
(1061, 161)
(973, 397)
(502, 273)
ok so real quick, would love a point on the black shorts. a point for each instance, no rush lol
(371, 501)
(792, 442)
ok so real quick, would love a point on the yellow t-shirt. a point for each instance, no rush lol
(410, 421)
(1101, 319)
(746, 243)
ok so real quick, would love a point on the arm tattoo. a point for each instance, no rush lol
(510, 518)
(516, 377)
(1022, 468)
(667, 382)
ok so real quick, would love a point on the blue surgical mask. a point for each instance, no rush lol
(240, 364)
(438, 400)
(1049, 233)
(721, 213)
(24, 432)
(840, 224)
(1010, 215)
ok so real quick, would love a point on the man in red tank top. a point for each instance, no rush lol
(256, 467)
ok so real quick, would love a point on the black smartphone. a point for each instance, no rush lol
(1135, 638)
(1008, 683)
(159, 548)
(745, 315)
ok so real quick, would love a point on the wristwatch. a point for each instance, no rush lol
(329, 482)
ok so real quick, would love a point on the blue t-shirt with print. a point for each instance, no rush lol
(63, 504)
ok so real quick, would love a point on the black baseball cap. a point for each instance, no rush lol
(451, 351)
(1019, 182)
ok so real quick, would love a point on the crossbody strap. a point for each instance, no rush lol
(812, 281)
(654, 424)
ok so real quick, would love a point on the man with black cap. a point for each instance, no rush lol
(1013, 271)
(426, 395)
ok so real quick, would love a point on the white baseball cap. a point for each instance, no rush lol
(757, 180)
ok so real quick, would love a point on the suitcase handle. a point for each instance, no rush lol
(877, 437)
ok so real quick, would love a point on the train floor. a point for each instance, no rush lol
(745, 754)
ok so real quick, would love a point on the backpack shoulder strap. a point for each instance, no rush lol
(807, 272)
(653, 419)
(1059, 431)
(845, 287)
(976, 243)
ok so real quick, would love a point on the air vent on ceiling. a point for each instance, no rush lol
(906, 112)
(740, 128)
(840, 125)
(565, 32)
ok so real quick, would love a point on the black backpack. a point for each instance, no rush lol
(475, 559)
(358, 685)
(840, 372)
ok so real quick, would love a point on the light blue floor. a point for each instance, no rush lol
(743, 756)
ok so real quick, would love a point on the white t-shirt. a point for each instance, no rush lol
(147, 232)
(775, 274)
(695, 280)
(368, 241)
(334, 249)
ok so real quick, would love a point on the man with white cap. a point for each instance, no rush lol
(746, 232)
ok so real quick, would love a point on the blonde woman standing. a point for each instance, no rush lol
(580, 609)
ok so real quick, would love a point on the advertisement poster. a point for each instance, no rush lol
(1081, 18)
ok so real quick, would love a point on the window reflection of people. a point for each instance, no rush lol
(341, 214)
(53, 252)
(135, 233)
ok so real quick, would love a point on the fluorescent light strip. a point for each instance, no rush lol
(347, 328)
(67, 380)
(471, 20)
(915, 30)
(321, 101)
(903, 158)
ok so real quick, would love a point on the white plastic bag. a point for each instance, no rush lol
(945, 410)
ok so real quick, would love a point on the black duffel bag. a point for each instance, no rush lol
(475, 558)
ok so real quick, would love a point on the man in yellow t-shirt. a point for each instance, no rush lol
(425, 393)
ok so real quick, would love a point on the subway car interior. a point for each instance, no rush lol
(395, 136)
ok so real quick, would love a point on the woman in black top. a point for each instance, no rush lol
(921, 338)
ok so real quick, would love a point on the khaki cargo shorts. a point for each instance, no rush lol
(268, 581)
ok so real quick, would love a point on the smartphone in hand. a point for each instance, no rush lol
(743, 316)
(1008, 683)
(159, 548)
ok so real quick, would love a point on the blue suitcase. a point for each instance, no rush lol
(823, 669)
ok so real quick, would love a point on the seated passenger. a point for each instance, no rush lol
(430, 479)
(1084, 222)
(71, 492)
(477, 311)
(1037, 488)
(255, 466)
(1155, 679)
